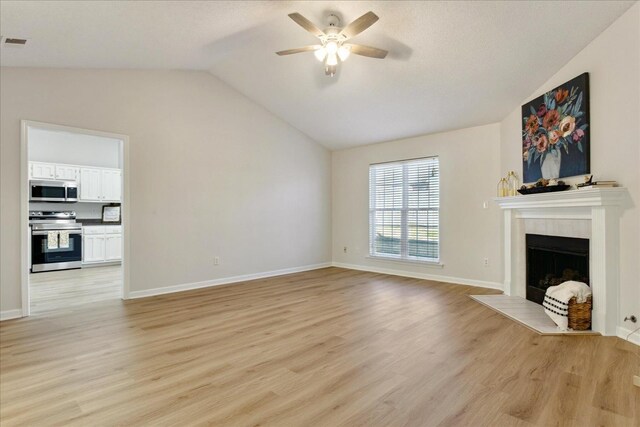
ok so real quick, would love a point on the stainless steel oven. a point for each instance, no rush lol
(53, 191)
(56, 241)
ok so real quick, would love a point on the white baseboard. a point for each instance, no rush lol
(426, 276)
(100, 264)
(10, 314)
(624, 332)
(223, 281)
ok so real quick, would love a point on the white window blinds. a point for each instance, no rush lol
(404, 203)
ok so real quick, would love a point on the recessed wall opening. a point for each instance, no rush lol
(552, 260)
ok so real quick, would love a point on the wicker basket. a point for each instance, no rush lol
(580, 314)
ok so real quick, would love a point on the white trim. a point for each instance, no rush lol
(25, 242)
(24, 201)
(124, 220)
(624, 332)
(560, 213)
(414, 275)
(10, 314)
(224, 281)
(433, 264)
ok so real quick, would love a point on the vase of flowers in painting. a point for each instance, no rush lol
(550, 166)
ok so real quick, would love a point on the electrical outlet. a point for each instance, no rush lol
(485, 205)
(216, 260)
(486, 262)
(344, 249)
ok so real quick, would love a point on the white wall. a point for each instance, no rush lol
(613, 63)
(469, 173)
(73, 148)
(212, 173)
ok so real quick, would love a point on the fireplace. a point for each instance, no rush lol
(551, 260)
(593, 214)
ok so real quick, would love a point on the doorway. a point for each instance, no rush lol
(74, 214)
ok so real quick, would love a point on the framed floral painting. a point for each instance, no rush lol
(555, 132)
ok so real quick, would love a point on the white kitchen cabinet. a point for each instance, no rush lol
(101, 243)
(96, 184)
(113, 229)
(100, 185)
(67, 173)
(93, 248)
(93, 229)
(90, 185)
(111, 185)
(39, 170)
(113, 247)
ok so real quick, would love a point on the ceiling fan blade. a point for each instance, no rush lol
(299, 50)
(371, 52)
(359, 25)
(306, 24)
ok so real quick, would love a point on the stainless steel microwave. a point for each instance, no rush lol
(53, 191)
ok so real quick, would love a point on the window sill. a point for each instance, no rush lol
(432, 264)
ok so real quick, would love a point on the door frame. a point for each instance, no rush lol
(24, 202)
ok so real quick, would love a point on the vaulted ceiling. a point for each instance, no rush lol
(451, 64)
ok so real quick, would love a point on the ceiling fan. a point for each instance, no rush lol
(333, 38)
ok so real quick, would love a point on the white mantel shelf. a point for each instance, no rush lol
(600, 206)
(613, 196)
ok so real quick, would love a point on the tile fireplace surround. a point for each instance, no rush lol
(586, 213)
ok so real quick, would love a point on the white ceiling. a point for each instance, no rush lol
(451, 64)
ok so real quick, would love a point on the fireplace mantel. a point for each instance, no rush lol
(600, 206)
(566, 199)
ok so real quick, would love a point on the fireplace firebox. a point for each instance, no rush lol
(552, 260)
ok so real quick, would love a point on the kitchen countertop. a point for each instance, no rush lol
(95, 221)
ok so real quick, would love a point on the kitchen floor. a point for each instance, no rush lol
(60, 290)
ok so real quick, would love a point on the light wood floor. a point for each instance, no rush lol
(330, 347)
(66, 289)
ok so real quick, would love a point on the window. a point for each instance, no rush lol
(404, 202)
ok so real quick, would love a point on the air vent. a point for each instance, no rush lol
(15, 41)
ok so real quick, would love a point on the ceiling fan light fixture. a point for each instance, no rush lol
(320, 54)
(343, 53)
(330, 70)
(332, 47)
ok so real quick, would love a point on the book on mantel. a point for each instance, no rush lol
(597, 184)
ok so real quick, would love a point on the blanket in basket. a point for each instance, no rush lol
(556, 301)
